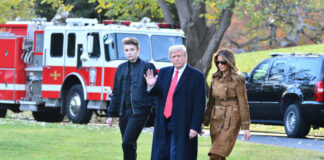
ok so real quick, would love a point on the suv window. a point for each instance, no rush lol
(259, 73)
(277, 71)
(145, 53)
(161, 45)
(304, 69)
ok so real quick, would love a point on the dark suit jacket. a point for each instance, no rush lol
(187, 112)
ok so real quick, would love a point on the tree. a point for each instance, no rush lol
(204, 31)
(76, 8)
(43, 9)
(11, 9)
(129, 10)
(203, 38)
(28, 9)
(283, 23)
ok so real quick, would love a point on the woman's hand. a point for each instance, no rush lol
(247, 135)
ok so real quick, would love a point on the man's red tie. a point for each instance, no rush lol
(168, 104)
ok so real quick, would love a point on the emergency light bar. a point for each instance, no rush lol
(171, 26)
(146, 23)
(81, 21)
(107, 22)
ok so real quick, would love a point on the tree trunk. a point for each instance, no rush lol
(166, 12)
(202, 40)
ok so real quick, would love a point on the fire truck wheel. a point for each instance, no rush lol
(53, 115)
(76, 106)
(3, 113)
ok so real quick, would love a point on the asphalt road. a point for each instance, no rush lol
(280, 139)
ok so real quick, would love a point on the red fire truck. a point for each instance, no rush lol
(68, 69)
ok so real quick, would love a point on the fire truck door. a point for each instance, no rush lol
(7, 68)
(71, 52)
(53, 69)
(94, 68)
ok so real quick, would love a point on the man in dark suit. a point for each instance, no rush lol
(179, 113)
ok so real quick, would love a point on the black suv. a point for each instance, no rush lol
(287, 89)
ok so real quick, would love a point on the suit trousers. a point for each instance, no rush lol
(131, 126)
(170, 140)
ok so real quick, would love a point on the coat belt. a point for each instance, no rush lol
(226, 102)
(227, 106)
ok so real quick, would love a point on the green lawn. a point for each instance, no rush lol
(30, 140)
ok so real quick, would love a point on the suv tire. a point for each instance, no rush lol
(295, 125)
(76, 106)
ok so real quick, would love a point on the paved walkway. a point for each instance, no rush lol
(278, 139)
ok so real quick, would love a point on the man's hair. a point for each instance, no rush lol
(131, 41)
(175, 48)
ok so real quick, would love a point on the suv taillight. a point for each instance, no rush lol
(319, 91)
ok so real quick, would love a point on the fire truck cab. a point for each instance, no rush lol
(68, 69)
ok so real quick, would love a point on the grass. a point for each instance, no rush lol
(31, 140)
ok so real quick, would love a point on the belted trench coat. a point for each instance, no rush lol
(227, 111)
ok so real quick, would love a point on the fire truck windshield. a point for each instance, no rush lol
(144, 42)
(161, 45)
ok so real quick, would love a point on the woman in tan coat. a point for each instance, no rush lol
(227, 108)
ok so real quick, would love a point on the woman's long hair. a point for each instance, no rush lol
(228, 56)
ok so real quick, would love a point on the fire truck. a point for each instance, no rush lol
(55, 69)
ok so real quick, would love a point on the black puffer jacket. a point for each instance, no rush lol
(141, 102)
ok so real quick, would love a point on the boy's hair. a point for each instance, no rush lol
(131, 41)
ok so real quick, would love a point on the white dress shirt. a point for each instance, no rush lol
(180, 72)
